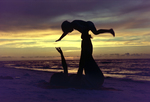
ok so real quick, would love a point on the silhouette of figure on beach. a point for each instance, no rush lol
(83, 27)
(93, 77)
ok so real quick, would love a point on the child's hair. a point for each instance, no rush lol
(65, 26)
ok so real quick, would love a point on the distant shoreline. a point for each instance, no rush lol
(78, 59)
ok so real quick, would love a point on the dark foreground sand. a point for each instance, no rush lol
(19, 85)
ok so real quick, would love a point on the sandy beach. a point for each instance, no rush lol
(20, 85)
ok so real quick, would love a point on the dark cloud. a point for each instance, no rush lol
(45, 14)
(142, 7)
(6, 57)
(36, 15)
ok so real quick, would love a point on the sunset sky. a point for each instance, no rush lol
(29, 28)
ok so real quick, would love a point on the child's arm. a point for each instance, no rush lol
(64, 64)
(63, 35)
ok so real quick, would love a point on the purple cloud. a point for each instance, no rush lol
(40, 14)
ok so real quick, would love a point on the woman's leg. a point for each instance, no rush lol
(81, 65)
(86, 53)
(93, 74)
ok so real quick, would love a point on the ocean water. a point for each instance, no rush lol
(132, 69)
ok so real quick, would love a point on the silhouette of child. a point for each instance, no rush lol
(83, 27)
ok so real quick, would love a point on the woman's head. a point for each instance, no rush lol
(59, 79)
(66, 27)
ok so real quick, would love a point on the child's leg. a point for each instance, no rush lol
(100, 31)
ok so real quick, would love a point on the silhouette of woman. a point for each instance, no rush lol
(93, 79)
(60, 80)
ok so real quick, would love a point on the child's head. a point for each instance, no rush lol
(66, 27)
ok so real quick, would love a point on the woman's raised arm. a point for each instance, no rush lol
(64, 64)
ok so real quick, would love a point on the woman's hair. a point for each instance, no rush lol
(59, 79)
(66, 26)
